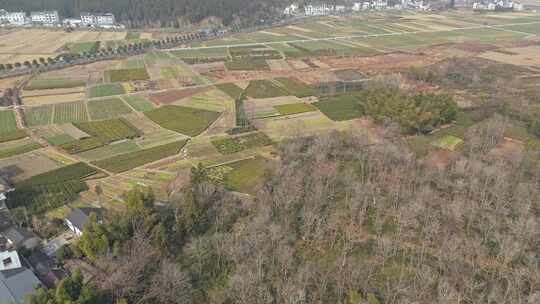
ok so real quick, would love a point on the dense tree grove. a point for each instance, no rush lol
(340, 220)
(156, 13)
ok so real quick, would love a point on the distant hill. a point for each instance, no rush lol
(159, 13)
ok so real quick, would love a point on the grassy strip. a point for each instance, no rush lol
(125, 162)
(106, 90)
(57, 83)
(19, 150)
(247, 64)
(294, 108)
(240, 143)
(12, 135)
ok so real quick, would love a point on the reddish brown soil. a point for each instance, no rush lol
(439, 159)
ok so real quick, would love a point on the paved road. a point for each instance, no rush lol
(476, 27)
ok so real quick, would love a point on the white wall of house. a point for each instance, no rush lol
(73, 228)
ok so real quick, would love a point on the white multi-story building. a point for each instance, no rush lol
(98, 20)
(317, 10)
(15, 18)
(45, 17)
(379, 4)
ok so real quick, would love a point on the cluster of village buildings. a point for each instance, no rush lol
(53, 19)
(501, 5)
(26, 261)
(322, 9)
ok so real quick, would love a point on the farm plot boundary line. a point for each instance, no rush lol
(495, 27)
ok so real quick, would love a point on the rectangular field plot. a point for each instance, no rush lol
(139, 103)
(341, 108)
(231, 89)
(247, 64)
(52, 99)
(201, 53)
(326, 48)
(297, 88)
(294, 108)
(106, 90)
(7, 121)
(110, 150)
(38, 116)
(109, 130)
(54, 83)
(184, 120)
(125, 162)
(265, 89)
(70, 112)
(107, 109)
(241, 143)
(60, 139)
(127, 74)
(21, 167)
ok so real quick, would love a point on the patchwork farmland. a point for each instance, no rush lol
(228, 104)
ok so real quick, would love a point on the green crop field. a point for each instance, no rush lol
(104, 90)
(132, 36)
(340, 108)
(127, 74)
(103, 132)
(109, 130)
(184, 120)
(70, 112)
(139, 103)
(7, 121)
(265, 89)
(38, 116)
(60, 139)
(12, 135)
(84, 47)
(297, 88)
(294, 108)
(201, 53)
(246, 175)
(51, 190)
(247, 64)
(54, 83)
(19, 149)
(447, 142)
(240, 143)
(110, 150)
(231, 89)
(125, 162)
(107, 109)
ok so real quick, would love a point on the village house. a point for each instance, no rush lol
(16, 283)
(78, 217)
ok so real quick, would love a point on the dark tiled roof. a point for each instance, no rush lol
(79, 216)
(16, 285)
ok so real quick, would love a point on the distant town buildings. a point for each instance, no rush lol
(52, 18)
(502, 5)
(15, 18)
(322, 9)
(97, 20)
(45, 17)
